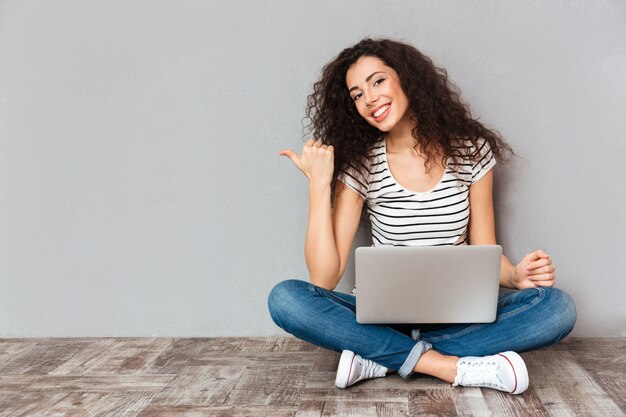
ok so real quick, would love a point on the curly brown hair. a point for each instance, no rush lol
(442, 121)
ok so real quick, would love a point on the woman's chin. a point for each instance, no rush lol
(383, 127)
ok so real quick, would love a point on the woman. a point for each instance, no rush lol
(393, 134)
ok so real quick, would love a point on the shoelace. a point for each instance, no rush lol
(483, 373)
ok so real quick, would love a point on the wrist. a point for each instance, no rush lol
(319, 186)
(512, 276)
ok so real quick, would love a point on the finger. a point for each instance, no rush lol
(541, 271)
(539, 263)
(538, 268)
(310, 142)
(291, 155)
(317, 144)
(542, 277)
(536, 255)
(531, 257)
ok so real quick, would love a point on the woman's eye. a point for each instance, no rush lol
(380, 80)
(356, 97)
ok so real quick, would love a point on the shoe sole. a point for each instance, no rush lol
(519, 370)
(344, 369)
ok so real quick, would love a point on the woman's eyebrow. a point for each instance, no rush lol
(369, 77)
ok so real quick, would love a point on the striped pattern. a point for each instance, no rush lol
(401, 217)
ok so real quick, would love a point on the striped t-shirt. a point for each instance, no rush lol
(402, 217)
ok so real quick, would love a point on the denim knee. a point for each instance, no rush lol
(282, 303)
(562, 314)
(567, 307)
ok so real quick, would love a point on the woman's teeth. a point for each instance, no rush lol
(381, 111)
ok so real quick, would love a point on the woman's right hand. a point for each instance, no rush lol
(317, 161)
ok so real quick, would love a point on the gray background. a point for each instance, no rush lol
(141, 191)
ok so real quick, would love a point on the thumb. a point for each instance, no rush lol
(535, 255)
(531, 257)
(291, 155)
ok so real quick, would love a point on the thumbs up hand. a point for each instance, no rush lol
(316, 162)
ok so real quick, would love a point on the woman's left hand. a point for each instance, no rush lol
(534, 270)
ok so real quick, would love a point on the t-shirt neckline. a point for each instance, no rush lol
(436, 186)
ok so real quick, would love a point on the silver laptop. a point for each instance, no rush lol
(433, 284)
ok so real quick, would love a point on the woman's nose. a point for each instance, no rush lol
(371, 100)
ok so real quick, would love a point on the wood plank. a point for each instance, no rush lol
(106, 383)
(320, 386)
(605, 361)
(281, 376)
(355, 394)
(601, 351)
(392, 409)
(614, 386)
(469, 401)
(121, 404)
(365, 409)
(177, 356)
(432, 402)
(12, 348)
(258, 344)
(207, 386)
(309, 408)
(115, 357)
(236, 344)
(258, 359)
(91, 404)
(43, 357)
(16, 383)
(70, 404)
(326, 360)
(224, 411)
(565, 388)
(93, 350)
(205, 351)
(22, 404)
(292, 344)
(507, 405)
(275, 385)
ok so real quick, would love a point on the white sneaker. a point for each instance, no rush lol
(504, 371)
(353, 368)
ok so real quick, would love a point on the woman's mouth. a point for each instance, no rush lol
(380, 113)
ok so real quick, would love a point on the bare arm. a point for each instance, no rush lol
(535, 269)
(482, 226)
(330, 231)
(320, 250)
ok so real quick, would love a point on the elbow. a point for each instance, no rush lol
(327, 277)
(326, 282)
(324, 286)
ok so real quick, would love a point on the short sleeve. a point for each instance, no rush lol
(356, 179)
(485, 161)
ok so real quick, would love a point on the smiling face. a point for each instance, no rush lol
(377, 94)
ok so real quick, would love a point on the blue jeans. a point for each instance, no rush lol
(526, 320)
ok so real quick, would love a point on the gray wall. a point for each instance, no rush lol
(141, 191)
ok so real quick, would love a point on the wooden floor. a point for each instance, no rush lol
(281, 376)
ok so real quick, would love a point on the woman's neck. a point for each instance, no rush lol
(400, 139)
